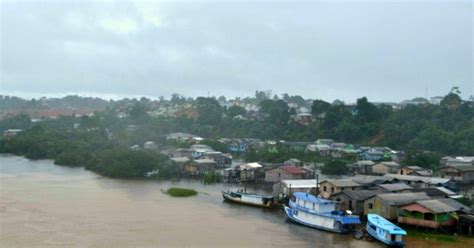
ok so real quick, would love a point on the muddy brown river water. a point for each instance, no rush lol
(43, 205)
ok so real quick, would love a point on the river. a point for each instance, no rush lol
(43, 205)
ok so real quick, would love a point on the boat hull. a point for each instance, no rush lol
(395, 244)
(314, 221)
(250, 201)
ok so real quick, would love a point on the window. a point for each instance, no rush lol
(353, 188)
(371, 206)
(332, 189)
(342, 189)
(324, 189)
(279, 175)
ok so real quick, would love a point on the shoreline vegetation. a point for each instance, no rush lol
(438, 237)
(181, 192)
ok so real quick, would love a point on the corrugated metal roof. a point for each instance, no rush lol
(402, 198)
(306, 183)
(394, 186)
(342, 183)
(436, 206)
(358, 195)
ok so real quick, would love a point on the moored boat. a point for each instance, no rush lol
(258, 200)
(315, 212)
(385, 231)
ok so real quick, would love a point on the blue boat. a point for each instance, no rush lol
(385, 231)
(315, 212)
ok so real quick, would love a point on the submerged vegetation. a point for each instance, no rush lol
(212, 177)
(181, 192)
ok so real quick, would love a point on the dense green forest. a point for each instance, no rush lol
(424, 131)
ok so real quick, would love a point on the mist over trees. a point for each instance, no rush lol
(424, 131)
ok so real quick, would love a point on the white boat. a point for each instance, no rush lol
(385, 231)
(258, 200)
(315, 212)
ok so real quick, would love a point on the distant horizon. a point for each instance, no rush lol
(115, 97)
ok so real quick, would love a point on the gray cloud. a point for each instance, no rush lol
(387, 51)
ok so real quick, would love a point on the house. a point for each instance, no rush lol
(11, 132)
(183, 152)
(394, 187)
(150, 145)
(373, 155)
(324, 142)
(199, 166)
(135, 147)
(237, 146)
(323, 149)
(420, 182)
(248, 171)
(197, 153)
(288, 187)
(387, 205)
(303, 118)
(353, 200)
(180, 160)
(433, 213)
(296, 146)
(286, 172)
(466, 224)
(330, 187)
(385, 168)
(455, 161)
(182, 137)
(362, 167)
(368, 181)
(459, 173)
(435, 192)
(293, 162)
(415, 171)
(220, 158)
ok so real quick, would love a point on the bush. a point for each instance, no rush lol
(335, 167)
(181, 192)
(212, 177)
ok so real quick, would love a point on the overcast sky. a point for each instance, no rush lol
(385, 50)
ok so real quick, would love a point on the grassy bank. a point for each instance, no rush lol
(181, 192)
(434, 237)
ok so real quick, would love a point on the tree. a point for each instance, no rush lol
(278, 111)
(335, 167)
(210, 112)
(235, 110)
(319, 107)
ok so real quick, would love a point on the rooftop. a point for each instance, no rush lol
(342, 183)
(306, 183)
(311, 198)
(292, 169)
(358, 195)
(392, 187)
(402, 198)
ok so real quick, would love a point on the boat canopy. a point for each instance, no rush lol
(350, 220)
(384, 224)
(311, 198)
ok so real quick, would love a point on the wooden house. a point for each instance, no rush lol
(459, 173)
(330, 187)
(386, 205)
(353, 200)
(199, 166)
(433, 213)
(286, 172)
(394, 187)
(387, 167)
(415, 171)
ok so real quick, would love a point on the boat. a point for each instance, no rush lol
(385, 231)
(265, 201)
(319, 213)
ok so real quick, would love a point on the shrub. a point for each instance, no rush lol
(181, 192)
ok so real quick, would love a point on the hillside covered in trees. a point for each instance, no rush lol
(424, 131)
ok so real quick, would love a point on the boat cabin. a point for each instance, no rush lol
(313, 203)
